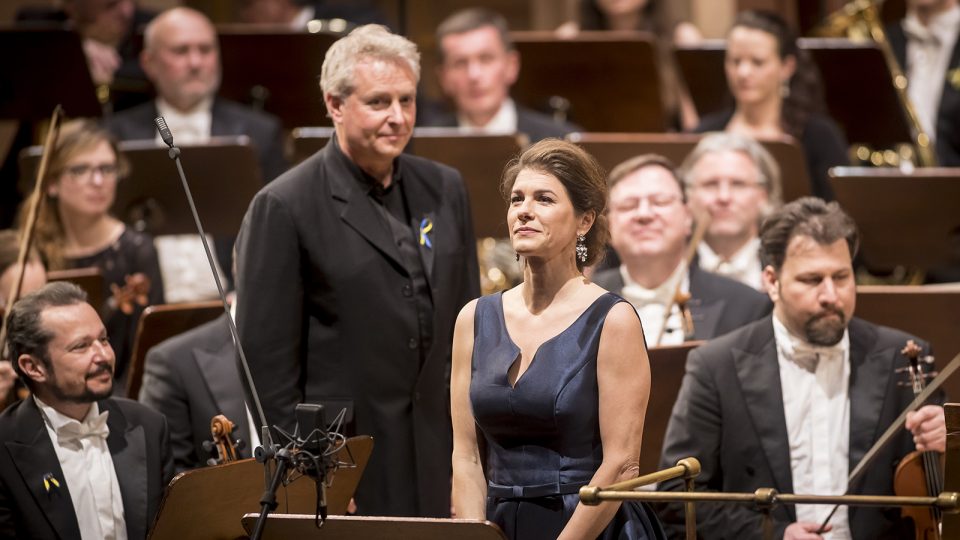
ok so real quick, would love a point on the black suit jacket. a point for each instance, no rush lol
(717, 305)
(141, 456)
(227, 118)
(729, 415)
(948, 116)
(326, 316)
(537, 126)
(191, 378)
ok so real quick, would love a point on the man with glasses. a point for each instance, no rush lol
(649, 226)
(732, 180)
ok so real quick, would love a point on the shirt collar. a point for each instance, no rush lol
(368, 184)
(56, 420)
(942, 27)
(167, 110)
(504, 122)
(795, 349)
(662, 294)
(741, 261)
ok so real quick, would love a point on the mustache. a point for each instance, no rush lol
(830, 310)
(101, 369)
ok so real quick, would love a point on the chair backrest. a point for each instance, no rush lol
(667, 366)
(163, 322)
(89, 279)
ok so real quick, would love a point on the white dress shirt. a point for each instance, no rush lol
(502, 123)
(816, 404)
(651, 304)
(928, 56)
(88, 471)
(190, 127)
(744, 266)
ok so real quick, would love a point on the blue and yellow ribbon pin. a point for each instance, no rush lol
(50, 482)
(425, 227)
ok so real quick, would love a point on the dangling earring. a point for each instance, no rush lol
(581, 248)
(785, 88)
(518, 257)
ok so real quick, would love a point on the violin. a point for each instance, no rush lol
(221, 429)
(680, 297)
(134, 292)
(920, 474)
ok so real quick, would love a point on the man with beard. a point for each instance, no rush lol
(75, 462)
(795, 400)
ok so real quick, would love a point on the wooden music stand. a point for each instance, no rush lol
(34, 84)
(479, 158)
(210, 502)
(930, 312)
(910, 220)
(224, 176)
(611, 149)
(88, 279)
(667, 367)
(277, 69)
(396, 528)
(158, 323)
(610, 79)
(863, 100)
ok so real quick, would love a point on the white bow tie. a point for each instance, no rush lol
(809, 356)
(74, 431)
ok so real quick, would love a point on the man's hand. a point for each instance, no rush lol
(804, 530)
(929, 428)
(102, 60)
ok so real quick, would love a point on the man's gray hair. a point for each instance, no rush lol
(734, 142)
(368, 42)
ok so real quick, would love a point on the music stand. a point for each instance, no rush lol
(480, 160)
(34, 84)
(910, 220)
(210, 502)
(281, 527)
(610, 79)
(611, 149)
(276, 68)
(158, 323)
(667, 367)
(309, 140)
(930, 312)
(224, 176)
(853, 97)
(89, 279)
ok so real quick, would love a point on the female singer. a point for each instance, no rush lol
(552, 376)
(75, 230)
(776, 91)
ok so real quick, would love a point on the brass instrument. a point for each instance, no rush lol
(859, 20)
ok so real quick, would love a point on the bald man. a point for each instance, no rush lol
(181, 56)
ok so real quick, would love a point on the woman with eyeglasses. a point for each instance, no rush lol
(75, 230)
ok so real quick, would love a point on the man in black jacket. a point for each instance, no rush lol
(794, 401)
(352, 267)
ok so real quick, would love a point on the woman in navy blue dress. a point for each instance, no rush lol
(550, 378)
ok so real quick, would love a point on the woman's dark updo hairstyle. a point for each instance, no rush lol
(581, 176)
(806, 91)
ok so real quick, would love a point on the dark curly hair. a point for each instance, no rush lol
(581, 176)
(824, 222)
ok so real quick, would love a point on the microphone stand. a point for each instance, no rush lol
(297, 453)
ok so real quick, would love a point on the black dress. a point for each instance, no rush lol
(543, 434)
(823, 143)
(133, 252)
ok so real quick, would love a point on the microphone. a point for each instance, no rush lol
(164, 131)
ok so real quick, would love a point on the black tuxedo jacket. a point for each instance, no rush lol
(227, 118)
(729, 415)
(717, 305)
(191, 378)
(537, 126)
(141, 456)
(326, 315)
(948, 117)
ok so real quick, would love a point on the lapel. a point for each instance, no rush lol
(705, 315)
(217, 364)
(422, 199)
(222, 124)
(758, 371)
(357, 208)
(128, 448)
(34, 456)
(870, 371)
